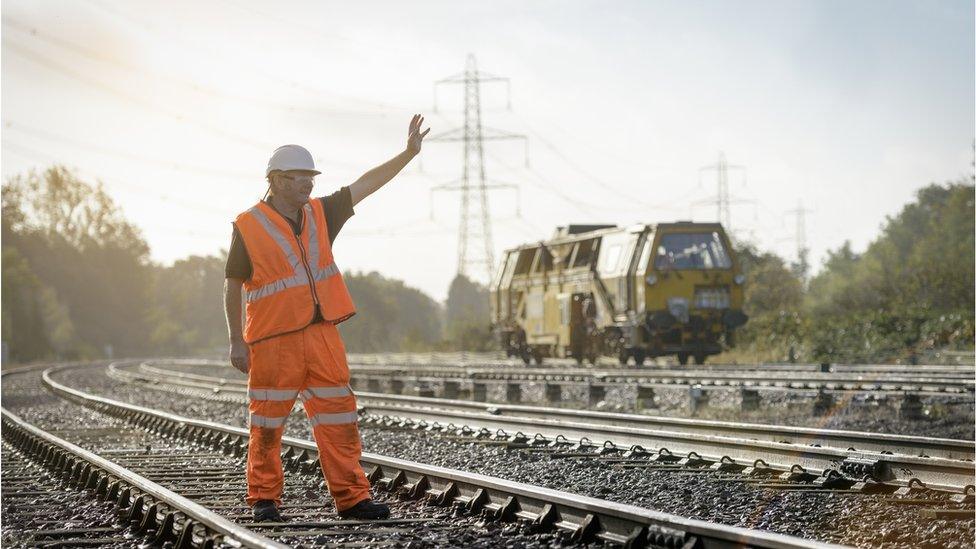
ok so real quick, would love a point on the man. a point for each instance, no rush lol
(289, 346)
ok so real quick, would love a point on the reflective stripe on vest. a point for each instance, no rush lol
(272, 394)
(326, 392)
(335, 419)
(265, 421)
(301, 275)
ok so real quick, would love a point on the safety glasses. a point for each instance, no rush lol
(299, 178)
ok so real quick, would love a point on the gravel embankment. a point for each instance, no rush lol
(23, 395)
(864, 521)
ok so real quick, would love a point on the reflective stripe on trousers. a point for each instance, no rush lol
(334, 419)
(264, 421)
(326, 392)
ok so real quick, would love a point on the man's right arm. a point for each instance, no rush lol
(239, 357)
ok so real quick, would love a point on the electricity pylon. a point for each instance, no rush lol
(473, 183)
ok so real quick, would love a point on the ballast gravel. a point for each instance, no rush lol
(949, 416)
(62, 507)
(843, 518)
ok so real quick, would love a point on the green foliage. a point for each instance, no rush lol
(466, 316)
(912, 289)
(77, 278)
(772, 297)
(390, 316)
(189, 312)
(89, 276)
(23, 317)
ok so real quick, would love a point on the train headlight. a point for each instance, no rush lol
(651, 279)
(740, 279)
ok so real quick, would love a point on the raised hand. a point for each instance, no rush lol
(415, 138)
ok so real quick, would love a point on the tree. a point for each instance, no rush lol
(189, 309)
(466, 325)
(912, 288)
(92, 264)
(390, 316)
(773, 299)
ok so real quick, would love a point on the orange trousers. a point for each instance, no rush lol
(310, 364)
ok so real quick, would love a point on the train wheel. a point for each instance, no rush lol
(639, 357)
(700, 358)
(682, 358)
(537, 356)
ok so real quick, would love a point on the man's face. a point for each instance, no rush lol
(294, 187)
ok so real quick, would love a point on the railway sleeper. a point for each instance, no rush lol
(149, 518)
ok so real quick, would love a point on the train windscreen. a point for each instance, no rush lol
(692, 251)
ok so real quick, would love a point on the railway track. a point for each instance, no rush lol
(175, 477)
(962, 364)
(891, 379)
(936, 384)
(842, 459)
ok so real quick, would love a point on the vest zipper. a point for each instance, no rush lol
(308, 270)
(311, 280)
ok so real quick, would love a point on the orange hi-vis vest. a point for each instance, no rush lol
(290, 276)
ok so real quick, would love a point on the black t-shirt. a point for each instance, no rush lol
(338, 209)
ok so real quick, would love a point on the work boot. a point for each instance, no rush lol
(265, 510)
(366, 510)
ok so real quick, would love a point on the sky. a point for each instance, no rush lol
(842, 109)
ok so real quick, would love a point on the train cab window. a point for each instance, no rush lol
(692, 251)
(609, 258)
(615, 253)
(584, 253)
(524, 262)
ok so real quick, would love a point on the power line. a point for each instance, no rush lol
(250, 67)
(148, 106)
(191, 85)
(596, 180)
(135, 157)
(42, 157)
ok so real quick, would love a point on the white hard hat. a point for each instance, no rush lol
(291, 157)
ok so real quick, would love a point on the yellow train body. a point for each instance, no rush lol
(635, 292)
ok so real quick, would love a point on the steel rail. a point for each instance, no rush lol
(498, 359)
(963, 373)
(175, 517)
(412, 406)
(780, 447)
(587, 519)
(759, 381)
(876, 442)
(781, 372)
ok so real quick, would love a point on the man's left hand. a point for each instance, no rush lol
(414, 136)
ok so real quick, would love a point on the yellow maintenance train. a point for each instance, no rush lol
(632, 293)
